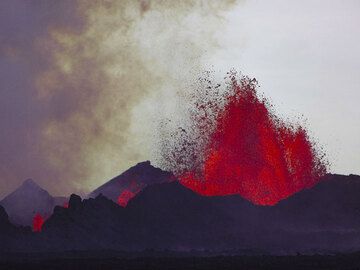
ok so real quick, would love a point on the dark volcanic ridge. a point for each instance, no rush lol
(169, 216)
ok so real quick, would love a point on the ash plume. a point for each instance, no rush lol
(99, 75)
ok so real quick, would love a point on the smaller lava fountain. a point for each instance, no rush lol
(236, 145)
(38, 222)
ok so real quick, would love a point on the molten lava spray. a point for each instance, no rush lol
(236, 145)
(38, 222)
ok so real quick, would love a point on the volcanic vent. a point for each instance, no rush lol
(235, 144)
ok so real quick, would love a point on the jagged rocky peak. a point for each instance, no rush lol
(75, 201)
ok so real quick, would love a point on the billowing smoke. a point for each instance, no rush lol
(103, 72)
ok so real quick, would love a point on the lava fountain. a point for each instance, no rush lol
(237, 145)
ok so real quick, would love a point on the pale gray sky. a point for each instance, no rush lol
(305, 55)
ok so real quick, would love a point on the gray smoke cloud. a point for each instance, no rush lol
(85, 83)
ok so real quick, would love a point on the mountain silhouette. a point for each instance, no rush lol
(168, 216)
(126, 185)
(162, 216)
(28, 200)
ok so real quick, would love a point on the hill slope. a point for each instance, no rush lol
(122, 188)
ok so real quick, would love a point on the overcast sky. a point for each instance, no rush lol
(82, 84)
(305, 55)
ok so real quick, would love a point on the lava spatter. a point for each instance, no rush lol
(244, 148)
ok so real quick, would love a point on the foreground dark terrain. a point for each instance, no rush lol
(118, 261)
(168, 226)
(167, 216)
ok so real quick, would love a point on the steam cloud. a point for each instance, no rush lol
(100, 76)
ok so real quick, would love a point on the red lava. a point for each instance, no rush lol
(247, 150)
(38, 222)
